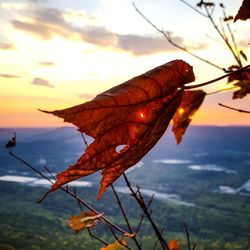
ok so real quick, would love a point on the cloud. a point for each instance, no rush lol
(46, 63)
(141, 45)
(98, 36)
(39, 29)
(41, 82)
(9, 76)
(6, 46)
(46, 22)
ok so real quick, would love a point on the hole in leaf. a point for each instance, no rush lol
(119, 148)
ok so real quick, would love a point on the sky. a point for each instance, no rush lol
(56, 54)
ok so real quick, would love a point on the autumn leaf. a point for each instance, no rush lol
(243, 91)
(85, 219)
(115, 246)
(132, 115)
(174, 245)
(244, 11)
(11, 143)
(242, 80)
(190, 103)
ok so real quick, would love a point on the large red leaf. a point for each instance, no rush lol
(135, 114)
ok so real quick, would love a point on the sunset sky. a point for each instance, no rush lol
(58, 53)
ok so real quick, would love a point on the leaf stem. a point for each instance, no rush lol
(216, 79)
(239, 110)
(221, 90)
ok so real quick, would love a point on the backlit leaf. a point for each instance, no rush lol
(130, 117)
(85, 219)
(242, 80)
(190, 103)
(115, 246)
(244, 11)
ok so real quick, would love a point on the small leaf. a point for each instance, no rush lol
(115, 246)
(244, 11)
(190, 103)
(85, 219)
(133, 114)
(174, 245)
(130, 235)
(228, 18)
(242, 80)
(243, 91)
(11, 143)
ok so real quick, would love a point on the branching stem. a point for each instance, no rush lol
(71, 194)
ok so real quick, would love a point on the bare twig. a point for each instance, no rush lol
(156, 242)
(116, 237)
(224, 38)
(138, 197)
(169, 39)
(97, 237)
(138, 245)
(143, 215)
(187, 235)
(238, 110)
(237, 53)
(193, 8)
(84, 139)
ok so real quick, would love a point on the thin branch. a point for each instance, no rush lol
(84, 139)
(221, 90)
(96, 237)
(143, 215)
(222, 36)
(71, 194)
(114, 234)
(187, 235)
(238, 110)
(156, 242)
(125, 217)
(216, 79)
(169, 39)
(141, 202)
(233, 39)
(193, 8)
(194, 246)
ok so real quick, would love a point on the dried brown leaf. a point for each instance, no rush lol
(134, 114)
(191, 101)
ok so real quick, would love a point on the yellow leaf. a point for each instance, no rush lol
(115, 246)
(85, 219)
